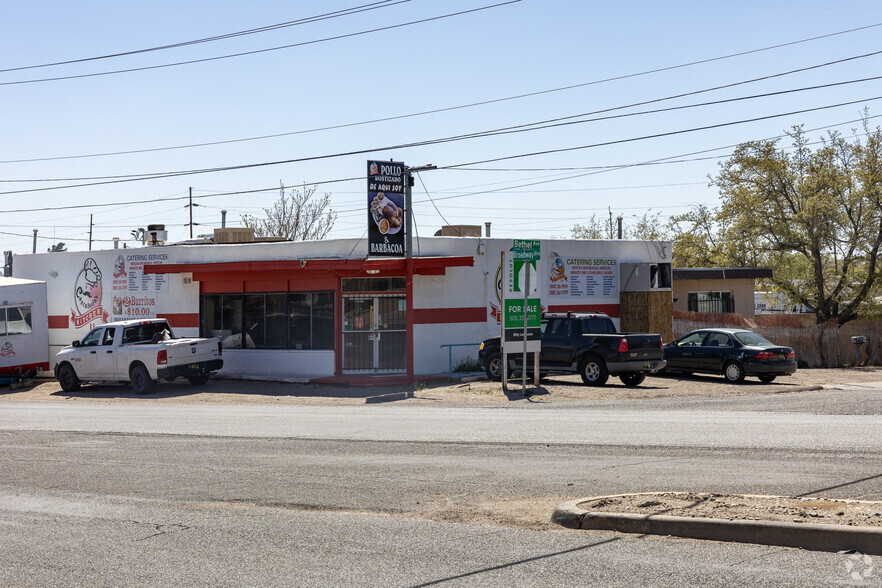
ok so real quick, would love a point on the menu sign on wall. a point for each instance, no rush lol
(134, 292)
(386, 208)
(583, 277)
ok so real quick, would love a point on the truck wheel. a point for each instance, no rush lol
(593, 371)
(733, 372)
(68, 379)
(493, 367)
(140, 378)
(632, 379)
(199, 380)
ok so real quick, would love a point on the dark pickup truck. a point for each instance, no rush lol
(585, 343)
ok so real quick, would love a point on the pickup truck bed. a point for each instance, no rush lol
(583, 343)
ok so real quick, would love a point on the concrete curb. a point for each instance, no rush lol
(811, 536)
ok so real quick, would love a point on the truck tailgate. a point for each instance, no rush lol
(644, 346)
(184, 351)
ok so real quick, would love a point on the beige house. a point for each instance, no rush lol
(717, 289)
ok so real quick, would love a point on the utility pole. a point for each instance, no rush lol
(90, 232)
(35, 240)
(191, 212)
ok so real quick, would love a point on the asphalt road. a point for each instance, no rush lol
(137, 492)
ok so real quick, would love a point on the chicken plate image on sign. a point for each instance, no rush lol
(386, 208)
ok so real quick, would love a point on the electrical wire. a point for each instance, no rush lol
(263, 29)
(423, 113)
(258, 51)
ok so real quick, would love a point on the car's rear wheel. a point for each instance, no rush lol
(493, 367)
(632, 379)
(733, 372)
(593, 371)
(140, 379)
(68, 379)
(767, 379)
(199, 380)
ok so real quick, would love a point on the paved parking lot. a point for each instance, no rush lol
(566, 389)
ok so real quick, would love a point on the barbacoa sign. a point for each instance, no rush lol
(386, 208)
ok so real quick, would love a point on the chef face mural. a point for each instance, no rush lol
(87, 295)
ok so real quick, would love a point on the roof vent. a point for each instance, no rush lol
(155, 235)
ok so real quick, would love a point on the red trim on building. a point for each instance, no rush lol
(181, 320)
(59, 321)
(612, 310)
(436, 316)
(200, 271)
(26, 367)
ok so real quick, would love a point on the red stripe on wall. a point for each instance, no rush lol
(26, 367)
(433, 316)
(59, 321)
(181, 320)
(612, 310)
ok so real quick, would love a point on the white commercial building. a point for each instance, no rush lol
(323, 311)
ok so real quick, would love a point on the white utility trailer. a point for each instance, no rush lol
(24, 329)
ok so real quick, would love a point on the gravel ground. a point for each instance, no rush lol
(741, 507)
(567, 389)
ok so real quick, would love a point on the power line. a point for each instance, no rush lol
(258, 51)
(263, 29)
(486, 102)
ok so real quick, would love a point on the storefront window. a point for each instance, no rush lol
(294, 320)
(374, 285)
(221, 316)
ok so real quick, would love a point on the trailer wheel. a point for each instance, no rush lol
(140, 379)
(68, 379)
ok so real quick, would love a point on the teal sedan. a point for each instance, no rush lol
(733, 353)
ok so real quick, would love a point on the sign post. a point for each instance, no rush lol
(522, 307)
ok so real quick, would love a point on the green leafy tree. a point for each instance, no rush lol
(296, 216)
(813, 215)
(648, 227)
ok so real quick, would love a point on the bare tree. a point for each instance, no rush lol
(295, 216)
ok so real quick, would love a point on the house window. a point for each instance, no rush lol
(711, 302)
(275, 320)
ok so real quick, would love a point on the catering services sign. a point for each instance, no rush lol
(582, 277)
(386, 208)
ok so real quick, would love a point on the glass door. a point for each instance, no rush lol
(374, 333)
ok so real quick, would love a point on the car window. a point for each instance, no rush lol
(597, 325)
(108, 336)
(751, 338)
(691, 340)
(558, 329)
(92, 339)
(718, 340)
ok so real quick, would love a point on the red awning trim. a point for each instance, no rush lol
(427, 265)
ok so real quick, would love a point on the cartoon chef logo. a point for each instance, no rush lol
(87, 296)
(373, 168)
(6, 350)
(119, 268)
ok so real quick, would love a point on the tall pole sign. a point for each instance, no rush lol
(386, 221)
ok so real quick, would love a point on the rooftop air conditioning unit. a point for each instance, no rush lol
(155, 235)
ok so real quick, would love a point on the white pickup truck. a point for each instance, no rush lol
(142, 352)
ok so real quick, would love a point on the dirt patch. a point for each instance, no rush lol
(566, 389)
(825, 511)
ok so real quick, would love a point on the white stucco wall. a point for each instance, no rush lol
(471, 288)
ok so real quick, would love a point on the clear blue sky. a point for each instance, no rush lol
(520, 48)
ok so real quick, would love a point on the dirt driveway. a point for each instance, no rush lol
(479, 391)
